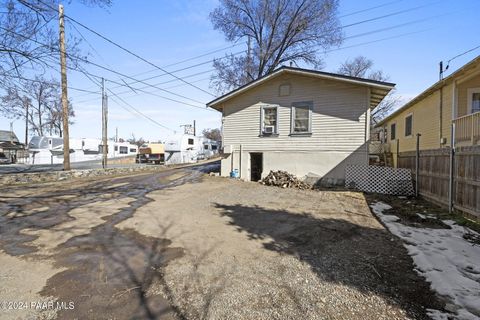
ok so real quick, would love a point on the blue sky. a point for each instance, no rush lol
(167, 32)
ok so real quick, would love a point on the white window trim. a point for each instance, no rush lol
(470, 93)
(405, 125)
(292, 117)
(262, 117)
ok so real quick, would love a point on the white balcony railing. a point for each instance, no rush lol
(467, 129)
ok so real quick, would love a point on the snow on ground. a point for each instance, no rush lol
(449, 262)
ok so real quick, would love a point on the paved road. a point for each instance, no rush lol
(27, 168)
(73, 225)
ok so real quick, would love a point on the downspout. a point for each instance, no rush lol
(240, 163)
(367, 127)
(451, 187)
(441, 116)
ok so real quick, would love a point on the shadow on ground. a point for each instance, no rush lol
(366, 259)
(109, 272)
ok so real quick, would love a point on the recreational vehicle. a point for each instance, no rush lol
(49, 150)
(187, 148)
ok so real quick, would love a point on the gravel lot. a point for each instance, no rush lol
(179, 245)
(257, 252)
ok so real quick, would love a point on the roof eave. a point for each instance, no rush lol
(324, 75)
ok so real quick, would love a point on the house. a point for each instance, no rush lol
(302, 121)
(454, 100)
(10, 146)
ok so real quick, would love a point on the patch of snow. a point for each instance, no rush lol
(422, 216)
(449, 262)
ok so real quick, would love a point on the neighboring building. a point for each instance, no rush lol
(49, 150)
(453, 100)
(188, 148)
(10, 146)
(302, 121)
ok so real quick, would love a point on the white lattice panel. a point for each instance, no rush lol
(378, 179)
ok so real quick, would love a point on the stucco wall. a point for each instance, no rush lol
(328, 166)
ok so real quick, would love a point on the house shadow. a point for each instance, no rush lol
(366, 259)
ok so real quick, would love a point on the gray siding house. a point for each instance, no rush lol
(302, 121)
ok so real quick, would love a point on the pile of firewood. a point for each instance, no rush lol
(284, 179)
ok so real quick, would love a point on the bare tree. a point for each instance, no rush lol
(54, 116)
(361, 67)
(138, 142)
(28, 39)
(279, 31)
(212, 134)
(37, 102)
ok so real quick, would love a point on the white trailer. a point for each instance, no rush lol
(49, 150)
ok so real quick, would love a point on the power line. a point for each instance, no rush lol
(126, 103)
(395, 26)
(183, 69)
(105, 68)
(463, 53)
(378, 40)
(387, 15)
(88, 74)
(165, 82)
(368, 9)
(49, 83)
(127, 50)
(194, 58)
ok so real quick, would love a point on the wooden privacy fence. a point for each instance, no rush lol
(434, 176)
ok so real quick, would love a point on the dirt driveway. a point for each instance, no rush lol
(182, 245)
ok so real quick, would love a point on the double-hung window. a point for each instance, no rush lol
(393, 131)
(474, 99)
(301, 118)
(269, 120)
(409, 125)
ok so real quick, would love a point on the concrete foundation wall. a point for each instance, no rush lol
(328, 166)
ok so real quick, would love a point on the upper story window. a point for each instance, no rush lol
(302, 117)
(123, 150)
(393, 131)
(269, 120)
(408, 125)
(190, 141)
(474, 100)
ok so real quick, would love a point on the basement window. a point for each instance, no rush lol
(408, 125)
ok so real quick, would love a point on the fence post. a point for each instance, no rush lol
(417, 164)
(451, 177)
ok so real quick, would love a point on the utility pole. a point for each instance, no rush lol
(26, 123)
(116, 134)
(11, 132)
(63, 71)
(248, 59)
(194, 128)
(104, 125)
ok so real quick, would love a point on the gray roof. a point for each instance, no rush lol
(5, 136)
(379, 89)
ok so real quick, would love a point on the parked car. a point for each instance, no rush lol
(4, 159)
